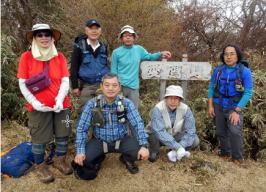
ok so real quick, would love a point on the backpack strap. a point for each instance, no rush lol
(121, 98)
(84, 47)
(46, 64)
(239, 72)
(218, 76)
(239, 83)
(99, 102)
(103, 46)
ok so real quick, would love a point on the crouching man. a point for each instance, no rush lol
(106, 115)
(172, 125)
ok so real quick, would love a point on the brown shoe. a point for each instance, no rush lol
(61, 165)
(240, 163)
(43, 173)
(225, 158)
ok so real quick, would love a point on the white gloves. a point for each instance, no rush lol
(181, 152)
(178, 155)
(172, 156)
(63, 90)
(41, 107)
(30, 98)
(58, 106)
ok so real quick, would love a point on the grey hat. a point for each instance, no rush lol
(174, 90)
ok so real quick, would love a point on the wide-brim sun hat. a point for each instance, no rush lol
(127, 28)
(174, 90)
(40, 27)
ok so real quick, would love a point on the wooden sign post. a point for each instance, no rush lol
(172, 70)
(184, 82)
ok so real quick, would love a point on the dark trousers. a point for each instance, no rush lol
(230, 135)
(44, 126)
(129, 148)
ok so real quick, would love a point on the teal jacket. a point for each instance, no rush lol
(125, 63)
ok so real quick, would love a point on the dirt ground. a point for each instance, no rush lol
(161, 176)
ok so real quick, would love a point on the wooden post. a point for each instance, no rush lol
(162, 85)
(184, 83)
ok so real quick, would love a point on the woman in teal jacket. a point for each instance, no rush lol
(126, 60)
(229, 92)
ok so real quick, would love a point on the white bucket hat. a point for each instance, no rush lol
(127, 28)
(174, 90)
(39, 27)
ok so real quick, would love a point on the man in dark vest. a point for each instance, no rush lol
(88, 63)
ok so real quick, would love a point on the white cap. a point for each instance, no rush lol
(127, 28)
(174, 90)
(41, 26)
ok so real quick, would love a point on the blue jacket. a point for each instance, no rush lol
(87, 64)
(92, 69)
(226, 83)
(158, 127)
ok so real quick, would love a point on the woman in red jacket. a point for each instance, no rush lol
(48, 108)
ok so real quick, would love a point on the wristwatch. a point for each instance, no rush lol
(238, 112)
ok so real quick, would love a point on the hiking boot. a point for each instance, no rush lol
(61, 165)
(43, 173)
(240, 163)
(225, 158)
(153, 157)
(131, 166)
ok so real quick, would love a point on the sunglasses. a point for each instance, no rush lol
(43, 35)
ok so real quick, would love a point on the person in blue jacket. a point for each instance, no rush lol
(88, 63)
(125, 62)
(229, 92)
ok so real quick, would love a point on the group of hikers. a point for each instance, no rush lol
(112, 117)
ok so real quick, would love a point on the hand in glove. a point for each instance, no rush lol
(58, 105)
(63, 90)
(41, 107)
(172, 156)
(181, 152)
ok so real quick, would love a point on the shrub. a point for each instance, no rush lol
(12, 102)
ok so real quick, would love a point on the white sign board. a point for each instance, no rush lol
(175, 70)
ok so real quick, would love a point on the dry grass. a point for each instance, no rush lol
(160, 176)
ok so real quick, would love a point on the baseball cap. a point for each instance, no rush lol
(92, 22)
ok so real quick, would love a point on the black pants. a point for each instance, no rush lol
(129, 148)
(230, 135)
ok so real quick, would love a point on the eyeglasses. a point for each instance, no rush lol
(43, 35)
(128, 35)
(229, 54)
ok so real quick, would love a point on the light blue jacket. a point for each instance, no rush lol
(158, 127)
(125, 63)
